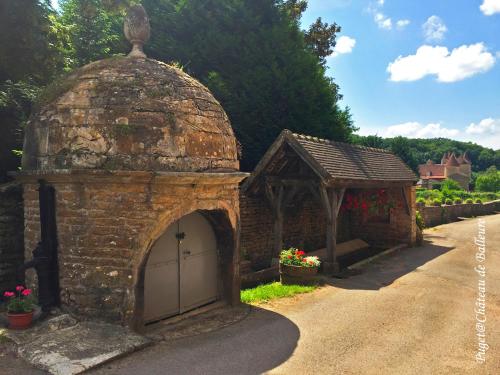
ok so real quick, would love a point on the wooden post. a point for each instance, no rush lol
(332, 257)
(405, 198)
(332, 200)
(276, 201)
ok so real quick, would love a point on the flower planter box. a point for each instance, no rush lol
(298, 275)
(20, 320)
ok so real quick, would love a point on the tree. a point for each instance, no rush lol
(255, 59)
(267, 73)
(489, 180)
(321, 38)
(94, 29)
(29, 50)
(401, 147)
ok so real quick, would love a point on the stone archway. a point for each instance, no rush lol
(226, 234)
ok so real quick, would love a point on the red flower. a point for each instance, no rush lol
(19, 288)
(300, 253)
(364, 206)
(26, 292)
(289, 257)
(8, 294)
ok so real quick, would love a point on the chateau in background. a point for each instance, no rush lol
(456, 168)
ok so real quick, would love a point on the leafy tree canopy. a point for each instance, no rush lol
(489, 180)
(418, 151)
(267, 73)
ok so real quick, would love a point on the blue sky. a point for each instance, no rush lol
(421, 68)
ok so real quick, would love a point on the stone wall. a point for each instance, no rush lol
(11, 234)
(304, 226)
(107, 224)
(437, 215)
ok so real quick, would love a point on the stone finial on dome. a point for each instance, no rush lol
(137, 30)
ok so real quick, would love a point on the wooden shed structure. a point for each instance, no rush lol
(337, 176)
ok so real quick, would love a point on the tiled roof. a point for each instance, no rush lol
(431, 169)
(347, 161)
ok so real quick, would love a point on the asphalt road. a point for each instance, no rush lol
(411, 312)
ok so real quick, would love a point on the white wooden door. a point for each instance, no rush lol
(161, 280)
(198, 262)
(181, 272)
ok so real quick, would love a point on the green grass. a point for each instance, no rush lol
(267, 292)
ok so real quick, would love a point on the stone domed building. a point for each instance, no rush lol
(142, 163)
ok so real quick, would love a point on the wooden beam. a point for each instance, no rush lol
(341, 197)
(276, 199)
(326, 202)
(300, 182)
(334, 208)
(366, 184)
(290, 195)
(405, 198)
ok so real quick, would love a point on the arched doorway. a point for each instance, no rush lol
(181, 272)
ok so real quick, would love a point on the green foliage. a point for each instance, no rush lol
(267, 292)
(448, 201)
(420, 220)
(420, 150)
(489, 180)
(436, 202)
(449, 184)
(479, 200)
(320, 38)
(469, 201)
(19, 301)
(94, 30)
(446, 195)
(295, 257)
(255, 59)
(421, 200)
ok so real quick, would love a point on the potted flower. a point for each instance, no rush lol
(296, 268)
(19, 307)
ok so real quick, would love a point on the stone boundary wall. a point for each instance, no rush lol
(11, 234)
(437, 215)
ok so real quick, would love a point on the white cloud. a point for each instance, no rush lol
(485, 133)
(383, 21)
(401, 24)
(487, 126)
(344, 45)
(490, 7)
(434, 29)
(462, 62)
(418, 130)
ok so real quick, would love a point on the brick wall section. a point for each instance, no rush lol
(437, 215)
(11, 234)
(401, 227)
(105, 229)
(305, 227)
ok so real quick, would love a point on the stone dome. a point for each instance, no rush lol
(127, 113)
